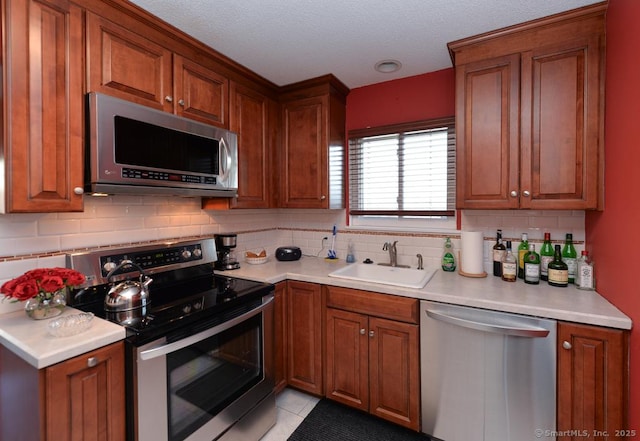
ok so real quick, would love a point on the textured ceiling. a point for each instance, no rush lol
(291, 40)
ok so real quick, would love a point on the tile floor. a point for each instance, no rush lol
(292, 407)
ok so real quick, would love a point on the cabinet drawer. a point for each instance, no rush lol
(381, 305)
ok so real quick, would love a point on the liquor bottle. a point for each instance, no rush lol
(546, 256)
(448, 257)
(509, 265)
(532, 266)
(584, 273)
(523, 248)
(499, 251)
(558, 271)
(569, 256)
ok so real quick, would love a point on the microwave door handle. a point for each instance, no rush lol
(225, 159)
(165, 349)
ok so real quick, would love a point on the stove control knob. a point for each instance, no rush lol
(186, 309)
(186, 254)
(197, 305)
(197, 252)
(109, 266)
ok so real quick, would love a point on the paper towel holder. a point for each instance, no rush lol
(462, 273)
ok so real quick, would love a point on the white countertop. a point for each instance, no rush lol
(31, 340)
(568, 304)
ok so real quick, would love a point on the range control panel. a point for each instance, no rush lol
(153, 258)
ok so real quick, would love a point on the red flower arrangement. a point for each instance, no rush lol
(42, 283)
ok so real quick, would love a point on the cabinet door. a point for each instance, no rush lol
(200, 93)
(85, 397)
(43, 106)
(487, 134)
(592, 380)
(561, 125)
(347, 360)
(304, 168)
(127, 65)
(304, 333)
(394, 370)
(280, 331)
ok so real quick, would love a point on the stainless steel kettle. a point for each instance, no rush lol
(128, 294)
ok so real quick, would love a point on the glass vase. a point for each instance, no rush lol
(39, 308)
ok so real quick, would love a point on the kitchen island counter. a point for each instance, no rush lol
(567, 304)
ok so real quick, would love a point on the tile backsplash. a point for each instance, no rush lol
(29, 241)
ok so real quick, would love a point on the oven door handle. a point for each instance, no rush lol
(165, 349)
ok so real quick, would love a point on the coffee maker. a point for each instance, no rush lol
(227, 260)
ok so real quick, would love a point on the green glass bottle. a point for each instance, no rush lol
(570, 257)
(558, 271)
(523, 248)
(546, 256)
(448, 256)
(532, 266)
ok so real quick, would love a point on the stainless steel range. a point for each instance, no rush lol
(199, 346)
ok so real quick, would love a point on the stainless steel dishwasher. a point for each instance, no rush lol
(486, 375)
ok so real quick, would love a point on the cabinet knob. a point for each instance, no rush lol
(181, 102)
(92, 361)
(514, 194)
(372, 334)
(78, 190)
(323, 197)
(526, 193)
(168, 99)
(363, 331)
(566, 345)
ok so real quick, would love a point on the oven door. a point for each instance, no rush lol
(196, 387)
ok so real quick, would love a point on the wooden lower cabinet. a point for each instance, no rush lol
(304, 336)
(593, 381)
(79, 399)
(372, 363)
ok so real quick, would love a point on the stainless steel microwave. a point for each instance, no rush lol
(135, 149)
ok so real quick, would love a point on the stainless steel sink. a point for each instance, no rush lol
(386, 275)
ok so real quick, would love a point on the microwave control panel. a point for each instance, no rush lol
(136, 173)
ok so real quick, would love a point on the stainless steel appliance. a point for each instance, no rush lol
(199, 358)
(486, 375)
(225, 246)
(138, 150)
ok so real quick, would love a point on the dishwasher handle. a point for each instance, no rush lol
(495, 328)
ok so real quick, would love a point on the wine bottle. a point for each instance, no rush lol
(509, 265)
(569, 256)
(584, 273)
(499, 251)
(532, 266)
(523, 248)
(558, 270)
(546, 256)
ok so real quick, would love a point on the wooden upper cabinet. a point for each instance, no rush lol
(43, 106)
(130, 66)
(313, 129)
(530, 114)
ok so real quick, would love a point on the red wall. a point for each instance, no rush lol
(425, 96)
(613, 235)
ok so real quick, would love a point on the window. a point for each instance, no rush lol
(403, 171)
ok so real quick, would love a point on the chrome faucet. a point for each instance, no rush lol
(419, 256)
(393, 252)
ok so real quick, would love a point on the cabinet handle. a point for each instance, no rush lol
(92, 361)
(168, 99)
(372, 334)
(566, 345)
(526, 193)
(363, 331)
(514, 194)
(78, 190)
(181, 102)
